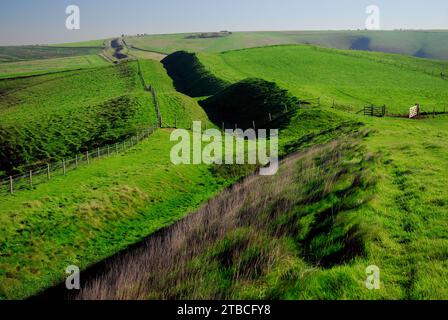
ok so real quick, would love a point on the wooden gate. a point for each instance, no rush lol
(375, 111)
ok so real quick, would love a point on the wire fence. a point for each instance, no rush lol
(267, 120)
(384, 111)
(44, 173)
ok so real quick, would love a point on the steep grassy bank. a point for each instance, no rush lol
(52, 116)
(94, 212)
(371, 197)
(266, 238)
(190, 76)
(251, 102)
(176, 108)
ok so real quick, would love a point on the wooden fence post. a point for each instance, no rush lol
(99, 154)
(63, 167)
(108, 150)
(87, 156)
(31, 178)
(11, 188)
(48, 171)
(76, 161)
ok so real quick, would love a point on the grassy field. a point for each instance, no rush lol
(173, 105)
(94, 212)
(42, 66)
(146, 55)
(352, 81)
(372, 196)
(411, 204)
(26, 53)
(426, 44)
(83, 44)
(51, 116)
(375, 196)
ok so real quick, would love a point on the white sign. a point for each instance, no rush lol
(414, 111)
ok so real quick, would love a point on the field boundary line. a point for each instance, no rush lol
(43, 173)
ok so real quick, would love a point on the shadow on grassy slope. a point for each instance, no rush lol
(236, 244)
(249, 101)
(190, 76)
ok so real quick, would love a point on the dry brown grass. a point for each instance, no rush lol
(237, 231)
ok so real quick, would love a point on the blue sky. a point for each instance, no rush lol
(43, 21)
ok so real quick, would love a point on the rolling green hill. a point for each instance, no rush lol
(370, 197)
(42, 66)
(352, 81)
(52, 116)
(175, 107)
(94, 212)
(26, 53)
(375, 196)
(425, 44)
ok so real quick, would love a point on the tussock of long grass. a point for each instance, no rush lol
(240, 237)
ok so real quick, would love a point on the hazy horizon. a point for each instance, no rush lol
(25, 22)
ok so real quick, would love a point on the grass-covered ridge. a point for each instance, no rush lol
(52, 116)
(26, 53)
(42, 66)
(94, 212)
(352, 81)
(307, 217)
(175, 108)
(249, 101)
(190, 76)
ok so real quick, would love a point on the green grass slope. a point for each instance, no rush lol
(94, 212)
(42, 66)
(189, 75)
(249, 101)
(371, 196)
(52, 116)
(175, 107)
(426, 44)
(352, 81)
(26, 53)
